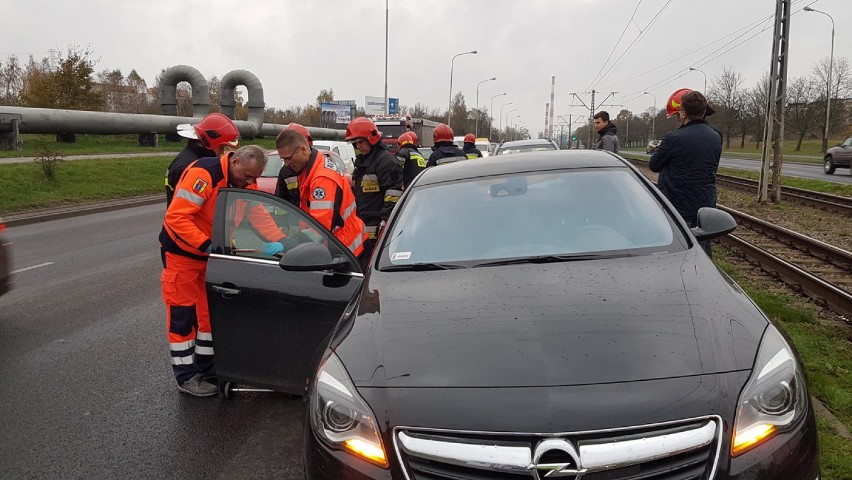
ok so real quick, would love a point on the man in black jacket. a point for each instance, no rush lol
(410, 160)
(608, 132)
(444, 150)
(470, 150)
(687, 159)
(377, 180)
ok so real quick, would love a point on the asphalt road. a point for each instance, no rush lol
(801, 170)
(87, 389)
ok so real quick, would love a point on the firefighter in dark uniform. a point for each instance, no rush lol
(410, 160)
(287, 187)
(377, 180)
(444, 151)
(470, 150)
(217, 132)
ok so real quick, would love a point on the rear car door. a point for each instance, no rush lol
(270, 324)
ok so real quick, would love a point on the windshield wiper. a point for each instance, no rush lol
(420, 267)
(545, 259)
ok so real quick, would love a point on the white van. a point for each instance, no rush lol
(344, 149)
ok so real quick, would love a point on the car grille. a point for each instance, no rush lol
(673, 451)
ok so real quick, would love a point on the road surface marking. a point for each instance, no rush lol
(30, 268)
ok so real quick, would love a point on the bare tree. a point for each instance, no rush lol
(754, 108)
(841, 88)
(803, 112)
(727, 94)
(11, 81)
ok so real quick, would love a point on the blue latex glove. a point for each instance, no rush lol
(270, 249)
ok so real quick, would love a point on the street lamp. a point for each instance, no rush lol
(507, 119)
(500, 117)
(491, 113)
(828, 83)
(654, 117)
(692, 69)
(386, 57)
(450, 106)
(477, 103)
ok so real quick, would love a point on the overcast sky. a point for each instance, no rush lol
(297, 48)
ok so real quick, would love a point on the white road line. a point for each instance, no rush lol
(30, 268)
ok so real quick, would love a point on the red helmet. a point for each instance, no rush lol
(673, 105)
(213, 130)
(301, 130)
(363, 127)
(414, 138)
(404, 138)
(443, 133)
(469, 138)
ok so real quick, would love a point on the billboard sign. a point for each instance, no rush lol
(374, 105)
(339, 113)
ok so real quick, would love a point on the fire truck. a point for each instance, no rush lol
(393, 127)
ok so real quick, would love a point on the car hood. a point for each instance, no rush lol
(555, 324)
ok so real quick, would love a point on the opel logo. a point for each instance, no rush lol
(560, 460)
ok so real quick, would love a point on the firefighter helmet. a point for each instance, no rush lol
(300, 129)
(404, 138)
(469, 138)
(414, 138)
(442, 133)
(673, 105)
(363, 127)
(213, 130)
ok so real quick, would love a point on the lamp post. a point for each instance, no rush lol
(477, 103)
(693, 69)
(828, 83)
(500, 117)
(450, 105)
(510, 124)
(491, 113)
(654, 117)
(507, 119)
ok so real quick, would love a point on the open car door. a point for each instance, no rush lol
(270, 315)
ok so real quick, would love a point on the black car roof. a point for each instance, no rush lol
(521, 162)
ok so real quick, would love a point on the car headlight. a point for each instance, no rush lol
(775, 397)
(341, 418)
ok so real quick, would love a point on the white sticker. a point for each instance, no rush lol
(319, 193)
(401, 256)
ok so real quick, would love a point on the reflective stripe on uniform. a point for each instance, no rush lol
(357, 242)
(204, 336)
(349, 211)
(176, 347)
(292, 183)
(199, 350)
(186, 195)
(449, 160)
(186, 360)
(392, 195)
(322, 205)
(372, 231)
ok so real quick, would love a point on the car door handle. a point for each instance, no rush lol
(225, 291)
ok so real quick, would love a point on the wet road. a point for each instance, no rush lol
(87, 389)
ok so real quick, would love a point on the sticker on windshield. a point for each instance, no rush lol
(401, 256)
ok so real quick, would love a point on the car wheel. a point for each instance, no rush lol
(828, 167)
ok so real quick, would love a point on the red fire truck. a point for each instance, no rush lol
(393, 127)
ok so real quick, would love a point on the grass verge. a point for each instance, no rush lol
(34, 144)
(826, 351)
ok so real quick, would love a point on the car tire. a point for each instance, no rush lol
(828, 167)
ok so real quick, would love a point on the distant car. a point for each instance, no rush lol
(545, 315)
(5, 262)
(269, 179)
(344, 149)
(839, 156)
(652, 146)
(523, 146)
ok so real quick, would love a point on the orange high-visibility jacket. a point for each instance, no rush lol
(188, 224)
(326, 195)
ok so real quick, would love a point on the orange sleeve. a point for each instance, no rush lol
(186, 217)
(322, 195)
(263, 222)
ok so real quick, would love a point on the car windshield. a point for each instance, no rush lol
(508, 150)
(322, 147)
(545, 216)
(391, 131)
(848, 142)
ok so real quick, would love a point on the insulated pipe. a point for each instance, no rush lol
(255, 103)
(168, 90)
(48, 120)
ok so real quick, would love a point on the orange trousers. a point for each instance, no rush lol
(187, 316)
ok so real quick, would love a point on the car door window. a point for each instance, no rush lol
(253, 220)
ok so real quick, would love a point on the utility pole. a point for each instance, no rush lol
(546, 116)
(552, 105)
(773, 131)
(591, 121)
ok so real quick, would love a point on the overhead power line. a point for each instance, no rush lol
(632, 19)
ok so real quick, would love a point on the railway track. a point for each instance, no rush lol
(823, 201)
(817, 269)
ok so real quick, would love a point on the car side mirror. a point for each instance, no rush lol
(311, 257)
(713, 223)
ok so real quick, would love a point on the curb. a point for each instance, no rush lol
(44, 215)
